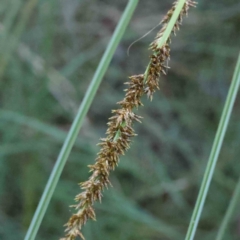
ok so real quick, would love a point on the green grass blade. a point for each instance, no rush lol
(230, 211)
(214, 152)
(72, 135)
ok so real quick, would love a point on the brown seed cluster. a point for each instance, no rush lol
(161, 55)
(157, 65)
(120, 131)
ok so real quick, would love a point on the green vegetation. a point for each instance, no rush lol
(218, 141)
(49, 52)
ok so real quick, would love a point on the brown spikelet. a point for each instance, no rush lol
(120, 130)
(161, 55)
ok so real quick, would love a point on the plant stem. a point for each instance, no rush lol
(230, 211)
(161, 42)
(168, 30)
(215, 152)
(74, 130)
(171, 23)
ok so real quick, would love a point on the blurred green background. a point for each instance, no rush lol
(49, 51)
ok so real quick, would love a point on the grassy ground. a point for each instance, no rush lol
(49, 52)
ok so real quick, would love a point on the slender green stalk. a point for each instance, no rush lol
(168, 29)
(73, 133)
(215, 152)
(230, 211)
(171, 23)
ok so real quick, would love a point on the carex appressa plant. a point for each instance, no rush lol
(120, 126)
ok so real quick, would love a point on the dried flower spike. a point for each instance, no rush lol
(120, 130)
